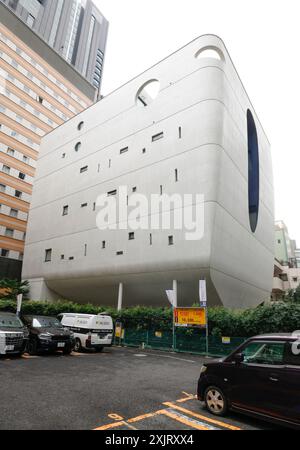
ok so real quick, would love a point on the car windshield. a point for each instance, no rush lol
(10, 322)
(46, 322)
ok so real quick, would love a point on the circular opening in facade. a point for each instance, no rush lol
(77, 146)
(210, 52)
(80, 125)
(148, 93)
(253, 172)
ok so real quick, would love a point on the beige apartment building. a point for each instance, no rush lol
(39, 91)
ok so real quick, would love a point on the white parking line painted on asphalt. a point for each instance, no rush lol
(173, 357)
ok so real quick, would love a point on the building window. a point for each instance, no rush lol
(5, 169)
(157, 137)
(134, 189)
(120, 253)
(2, 187)
(84, 205)
(176, 175)
(77, 146)
(30, 20)
(161, 190)
(179, 132)
(171, 240)
(295, 279)
(84, 169)
(65, 210)
(85, 249)
(111, 193)
(80, 125)
(63, 156)
(131, 236)
(62, 257)
(124, 150)
(4, 253)
(151, 241)
(13, 212)
(25, 159)
(144, 150)
(253, 172)
(103, 244)
(18, 194)
(22, 176)
(279, 241)
(10, 152)
(9, 232)
(48, 255)
(40, 100)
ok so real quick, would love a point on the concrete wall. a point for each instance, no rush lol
(204, 97)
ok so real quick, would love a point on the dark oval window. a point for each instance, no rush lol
(253, 172)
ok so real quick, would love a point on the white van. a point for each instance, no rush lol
(90, 331)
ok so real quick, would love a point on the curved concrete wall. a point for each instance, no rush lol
(203, 96)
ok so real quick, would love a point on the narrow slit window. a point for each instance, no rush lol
(48, 255)
(157, 137)
(124, 150)
(65, 210)
(161, 190)
(180, 132)
(103, 244)
(84, 169)
(151, 240)
(84, 205)
(176, 175)
(131, 236)
(120, 253)
(171, 240)
(111, 193)
(85, 249)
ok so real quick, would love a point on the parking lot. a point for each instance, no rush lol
(119, 389)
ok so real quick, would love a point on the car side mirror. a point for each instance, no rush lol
(238, 358)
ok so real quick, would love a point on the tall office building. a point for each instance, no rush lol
(39, 91)
(74, 28)
(184, 137)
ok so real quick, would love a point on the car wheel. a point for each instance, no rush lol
(77, 346)
(32, 347)
(215, 401)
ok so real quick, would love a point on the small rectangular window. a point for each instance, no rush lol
(180, 132)
(18, 194)
(124, 150)
(103, 244)
(62, 257)
(176, 175)
(134, 189)
(151, 241)
(84, 169)
(110, 193)
(120, 253)
(65, 210)
(84, 205)
(10, 152)
(131, 236)
(48, 255)
(171, 240)
(2, 187)
(22, 176)
(71, 258)
(9, 232)
(4, 253)
(85, 249)
(6, 169)
(161, 190)
(13, 212)
(94, 206)
(144, 150)
(157, 137)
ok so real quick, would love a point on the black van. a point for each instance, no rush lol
(13, 334)
(261, 378)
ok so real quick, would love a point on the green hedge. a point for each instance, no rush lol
(280, 317)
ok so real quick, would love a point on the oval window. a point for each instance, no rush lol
(148, 92)
(253, 172)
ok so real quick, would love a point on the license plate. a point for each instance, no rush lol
(9, 348)
(60, 344)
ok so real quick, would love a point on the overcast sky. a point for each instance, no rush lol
(262, 37)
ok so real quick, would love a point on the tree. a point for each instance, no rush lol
(10, 289)
(294, 295)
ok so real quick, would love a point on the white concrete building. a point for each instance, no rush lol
(200, 135)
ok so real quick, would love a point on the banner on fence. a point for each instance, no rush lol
(190, 317)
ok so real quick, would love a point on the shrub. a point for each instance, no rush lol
(275, 318)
